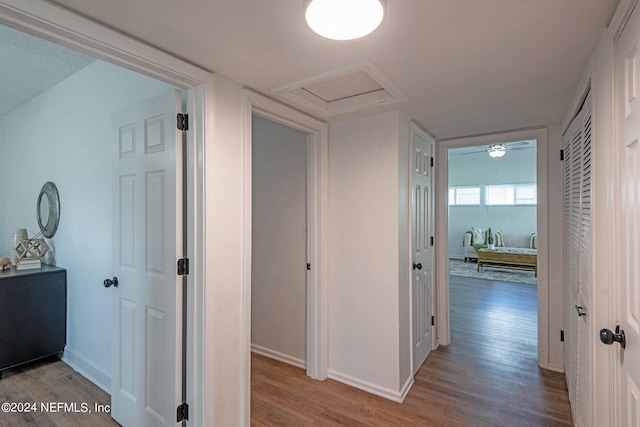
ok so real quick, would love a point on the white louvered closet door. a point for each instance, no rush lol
(577, 262)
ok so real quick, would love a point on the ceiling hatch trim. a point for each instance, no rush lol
(347, 89)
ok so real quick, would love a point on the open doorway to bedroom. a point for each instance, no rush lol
(492, 254)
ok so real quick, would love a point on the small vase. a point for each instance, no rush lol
(18, 235)
(491, 246)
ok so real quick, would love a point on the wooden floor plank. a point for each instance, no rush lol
(47, 383)
(487, 377)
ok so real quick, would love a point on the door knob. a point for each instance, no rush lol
(108, 282)
(608, 337)
(417, 266)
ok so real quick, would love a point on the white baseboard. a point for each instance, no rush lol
(278, 356)
(552, 367)
(395, 395)
(406, 387)
(87, 368)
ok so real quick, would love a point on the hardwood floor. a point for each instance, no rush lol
(52, 384)
(487, 377)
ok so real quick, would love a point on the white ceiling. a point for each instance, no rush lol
(30, 66)
(465, 66)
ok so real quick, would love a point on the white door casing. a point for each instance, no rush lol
(422, 231)
(147, 238)
(627, 222)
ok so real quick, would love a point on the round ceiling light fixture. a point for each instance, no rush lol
(343, 19)
(497, 150)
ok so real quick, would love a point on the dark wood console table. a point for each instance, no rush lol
(33, 314)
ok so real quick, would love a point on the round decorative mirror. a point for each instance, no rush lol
(48, 209)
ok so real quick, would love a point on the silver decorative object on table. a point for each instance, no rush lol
(18, 235)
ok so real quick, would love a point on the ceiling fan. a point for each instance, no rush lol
(500, 149)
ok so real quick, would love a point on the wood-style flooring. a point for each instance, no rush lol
(52, 384)
(487, 377)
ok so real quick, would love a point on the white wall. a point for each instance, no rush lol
(64, 136)
(364, 246)
(225, 344)
(279, 244)
(517, 222)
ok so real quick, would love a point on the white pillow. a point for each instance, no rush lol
(479, 236)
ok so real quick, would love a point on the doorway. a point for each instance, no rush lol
(279, 241)
(316, 327)
(493, 217)
(90, 351)
(549, 309)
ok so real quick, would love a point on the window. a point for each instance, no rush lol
(499, 195)
(511, 194)
(526, 194)
(460, 196)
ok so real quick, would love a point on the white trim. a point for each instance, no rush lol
(272, 354)
(87, 368)
(404, 391)
(317, 297)
(394, 395)
(56, 24)
(442, 227)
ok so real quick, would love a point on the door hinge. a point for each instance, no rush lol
(182, 412)
(183, 121)
(432, 241)
(432, 161)
(562, 336)
(183, 266)
(561, 154)
(433, 320)
(308, 266)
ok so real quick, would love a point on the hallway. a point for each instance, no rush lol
(488, 377)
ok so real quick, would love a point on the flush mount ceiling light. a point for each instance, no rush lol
(497, 150)
(343, 19)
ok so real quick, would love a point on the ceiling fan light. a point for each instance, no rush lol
(343, 19)
(497, 150)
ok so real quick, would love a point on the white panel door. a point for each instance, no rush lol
(628, 224)
(422, 223)
(147, 238)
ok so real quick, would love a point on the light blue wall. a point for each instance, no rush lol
(5, 236)
(517, 222)
(64, 136)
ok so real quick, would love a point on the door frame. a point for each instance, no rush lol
(317, 354)
(58, 25)
(442, 234)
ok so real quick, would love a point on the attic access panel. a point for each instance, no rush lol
(348, 89)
